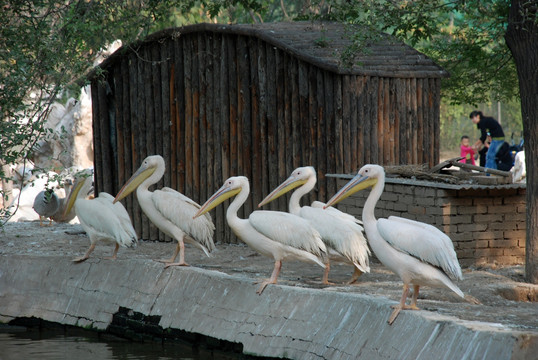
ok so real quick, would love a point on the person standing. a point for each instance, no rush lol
(466, 151)
(488, 127)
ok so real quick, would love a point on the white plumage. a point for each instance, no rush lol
(340, 232)
(280, 236)
(102, 220)
(417, 252)
(169, 210)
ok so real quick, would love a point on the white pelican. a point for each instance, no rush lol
(169, 210)
(340, 232)
(419, 253)
(275, 234)
(101, 219)
(46, 204)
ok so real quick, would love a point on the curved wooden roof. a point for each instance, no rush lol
(321, 44)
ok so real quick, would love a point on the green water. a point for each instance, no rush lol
(77, 344)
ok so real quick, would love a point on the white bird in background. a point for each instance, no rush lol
(169, 210)
(278, 235)
(340, 232)
(417, 252)
(46, 204)
(100, 218)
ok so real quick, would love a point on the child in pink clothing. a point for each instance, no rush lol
(466, 151)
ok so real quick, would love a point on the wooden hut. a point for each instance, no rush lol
(259, 100)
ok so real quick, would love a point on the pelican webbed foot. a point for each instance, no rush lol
(402, 306)
(86, 256)
(356, 274)
(272, 280)
(168, 264)
(114, 254)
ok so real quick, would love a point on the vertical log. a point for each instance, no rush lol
(282, 120)
(346, 94)
(414, 120)
(143, 80)
(202, 124)
(179, 120)
(197, 56)
(296, 115)
(127, 133)
(134, 115)
(96, 130)
(388, 134)
(435, 89)
(120, 129)
(421, 150)
(233, 121)
(380, 144)
(256, 193)
(364, 106)
(373, 107)
(363, 127)
(218, 171)
(225, 123)
(393, 123)
(272, 126)
(153, 119)
(188, 61)
(303, 113)
(244, 111)
(209, 104)
(403, 121)
(355, 145)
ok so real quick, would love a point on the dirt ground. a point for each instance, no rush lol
(494, 295)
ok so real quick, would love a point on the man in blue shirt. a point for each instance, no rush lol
(488, 127)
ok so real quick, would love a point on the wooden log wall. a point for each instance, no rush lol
(217, 105)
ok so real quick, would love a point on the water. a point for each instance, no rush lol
(72, 343)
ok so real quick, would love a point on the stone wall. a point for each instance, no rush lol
(486, 223)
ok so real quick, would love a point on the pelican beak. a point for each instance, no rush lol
(138, 177)
(224, 193)
(291, 183)
(79, 182)
(359, 182)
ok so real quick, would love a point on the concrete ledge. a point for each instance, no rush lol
(285, 321)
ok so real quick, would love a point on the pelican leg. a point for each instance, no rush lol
(356, 274)
(171, 260)
(325, 280)
(401, 306)
(180, 248)
(114, 254)
(272, 280)
(413, 305)
(87, 255)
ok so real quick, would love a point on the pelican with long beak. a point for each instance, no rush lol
(169, 210)
(340, 232)
(102, 220)
(277, 235)
(417, 252)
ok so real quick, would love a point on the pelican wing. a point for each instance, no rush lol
(422, 241)
(335, 212)
(120, 212)
(180, 210)
(99, 216)
(289, 230)
(342, 235)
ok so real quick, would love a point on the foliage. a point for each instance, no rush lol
(455, 122)
(46, 47)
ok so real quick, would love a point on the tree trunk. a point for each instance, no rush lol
(522, 39)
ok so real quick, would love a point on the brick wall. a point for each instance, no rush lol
(486, 223)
